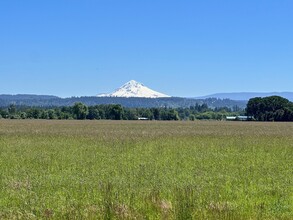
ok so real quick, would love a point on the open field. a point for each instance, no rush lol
(145, 170)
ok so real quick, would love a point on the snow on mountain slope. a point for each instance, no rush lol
(134, 89)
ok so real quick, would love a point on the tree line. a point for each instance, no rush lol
(273, 108)
(81, 111)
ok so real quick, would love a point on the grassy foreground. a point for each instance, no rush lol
(145, 170)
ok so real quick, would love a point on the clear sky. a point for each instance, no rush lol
(182, 48)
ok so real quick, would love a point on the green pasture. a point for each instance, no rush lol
(145, 170)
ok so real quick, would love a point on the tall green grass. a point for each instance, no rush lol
(145, 170)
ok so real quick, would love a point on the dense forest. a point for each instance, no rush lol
(172, 102)
(118, 112)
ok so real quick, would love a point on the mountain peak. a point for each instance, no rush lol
(134, 89)
(132, 83)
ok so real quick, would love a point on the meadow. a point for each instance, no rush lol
(145, 170)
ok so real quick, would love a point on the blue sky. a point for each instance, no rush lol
(182, 48)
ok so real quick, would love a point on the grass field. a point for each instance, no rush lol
(145, 170)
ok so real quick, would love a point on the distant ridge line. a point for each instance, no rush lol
(133, 102)
(245, 96)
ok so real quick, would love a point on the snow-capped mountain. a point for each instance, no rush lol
(134, 89)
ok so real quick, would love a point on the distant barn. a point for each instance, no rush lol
(231, 118)
(142, 118)
(239, 118)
